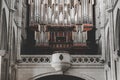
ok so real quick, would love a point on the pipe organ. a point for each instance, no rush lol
(64, 12)
(61, 23)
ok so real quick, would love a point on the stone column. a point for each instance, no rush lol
(19, 27)
(2, 53)
(102, 31)
(111, 24)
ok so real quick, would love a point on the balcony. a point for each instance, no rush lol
(76, 60)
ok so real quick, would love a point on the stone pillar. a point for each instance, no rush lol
(2, 53)
(0, 7)
(102, 28)
(19, 27)
(111, 24)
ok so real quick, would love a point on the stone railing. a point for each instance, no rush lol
(86, 59)
(36, 58)
(76, 59)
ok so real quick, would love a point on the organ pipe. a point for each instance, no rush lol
(31, 10)
(91, 11)
(79, 14)
(61, 12)
(49, 11)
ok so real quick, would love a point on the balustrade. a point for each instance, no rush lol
(76, 59)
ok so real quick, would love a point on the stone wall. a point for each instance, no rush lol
(88, 73)
(33, 67)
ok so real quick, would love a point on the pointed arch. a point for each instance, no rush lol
(80, 76)
(59, 77)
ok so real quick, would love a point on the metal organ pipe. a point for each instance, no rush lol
(61, 12)
(67, 1)
(36, 7)
(56, 13)
(57, 1)
(79, 14)
(42, 12)
(69, 8)
(72, 11)
(75, 2)
(34, 13)
(39, 8)
(76, 14)
(53, 2)
(87, 11)
(46, 14)
(72, 15)
(65, 14)
(60, 18)
(53, 19)
(84, 11)
(49, 15)
(45, 2)
(91, 11)
(37, 11)
(31, 10)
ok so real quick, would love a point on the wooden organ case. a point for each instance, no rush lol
(65, 25)
(60, 37)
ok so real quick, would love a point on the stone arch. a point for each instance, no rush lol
(4, 39)
(81, 76)
(60, 77)
(117, 30)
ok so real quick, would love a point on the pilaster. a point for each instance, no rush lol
(2, 53)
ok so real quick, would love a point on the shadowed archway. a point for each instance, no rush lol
(59, 77)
